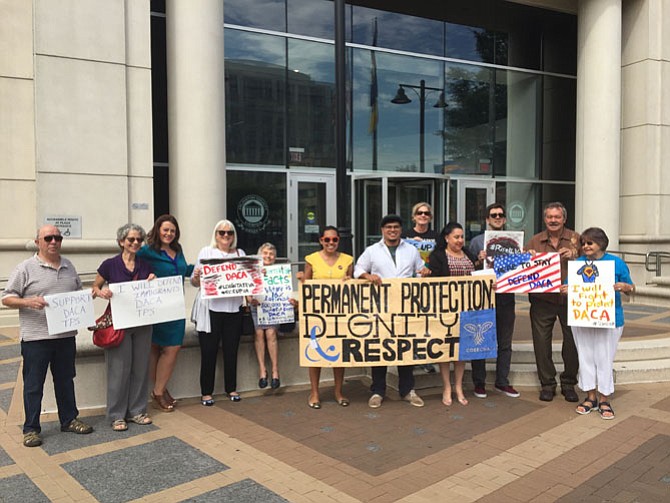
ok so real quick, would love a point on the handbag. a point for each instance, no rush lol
(104, 333)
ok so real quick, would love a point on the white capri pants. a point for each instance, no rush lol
(596, 348)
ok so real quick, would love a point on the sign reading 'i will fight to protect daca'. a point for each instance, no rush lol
(400, 322)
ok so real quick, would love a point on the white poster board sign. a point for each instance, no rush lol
(231, 277)
(138, 303)
(591, 301)
(276, 308)
(69, 311)
(501, 243)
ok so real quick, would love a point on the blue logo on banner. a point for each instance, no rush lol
(478, 339)
(327, 354)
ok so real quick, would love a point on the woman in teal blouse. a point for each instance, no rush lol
(165, 255)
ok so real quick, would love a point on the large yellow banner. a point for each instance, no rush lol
(400, 322)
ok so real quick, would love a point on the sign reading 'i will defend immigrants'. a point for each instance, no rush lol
(400, 322)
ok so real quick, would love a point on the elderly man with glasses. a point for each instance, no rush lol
(45, 273)
(505, 316)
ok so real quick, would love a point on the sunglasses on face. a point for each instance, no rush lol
(497, 215)
(589, 243)
(132, 240)
(426, 213)
(225, 233)
(51, 237)
(328, 240)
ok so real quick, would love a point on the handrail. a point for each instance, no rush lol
(654, 261)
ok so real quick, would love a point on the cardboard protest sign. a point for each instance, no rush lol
(521, 273)
(501, 243)
(138, 303)
(231, 277)
(425, 246)
(591, 294)
(401, 322)
(69, 311)
(276, 308)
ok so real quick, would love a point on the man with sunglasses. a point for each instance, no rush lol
(45, 273)
(505, 316)
(546, 307)
(391, 257)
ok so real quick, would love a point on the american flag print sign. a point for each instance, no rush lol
(523, 273)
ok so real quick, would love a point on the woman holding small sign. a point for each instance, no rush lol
(596, 346)
(265, 336)
(128, 363)
(165, 255)
(450, 258)
(222, 324)
(328, 263)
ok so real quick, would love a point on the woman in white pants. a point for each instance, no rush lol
(596, 347)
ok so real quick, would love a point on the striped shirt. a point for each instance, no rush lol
(34, 277)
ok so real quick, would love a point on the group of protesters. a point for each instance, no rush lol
(148, 354)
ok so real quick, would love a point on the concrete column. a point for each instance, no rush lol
(196, 118)
(598, 153)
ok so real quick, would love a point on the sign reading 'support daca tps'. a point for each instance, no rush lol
(138, 303)
(69, 311)
(400, 322)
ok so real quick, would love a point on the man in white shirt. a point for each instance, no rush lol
(391, 258)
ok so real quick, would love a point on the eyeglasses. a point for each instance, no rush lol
(334, 240)
(132, 240)
(496, 215)
(427, 213)
(51, 237)
(225, 233)
(590, 243)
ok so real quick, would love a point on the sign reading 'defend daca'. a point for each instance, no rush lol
(526, 273)
(231, 277)
(400, 322)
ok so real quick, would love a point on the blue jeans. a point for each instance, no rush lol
(37, 357)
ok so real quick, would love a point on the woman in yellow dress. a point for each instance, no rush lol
(328, 263)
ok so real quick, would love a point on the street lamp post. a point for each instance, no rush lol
(402, 99)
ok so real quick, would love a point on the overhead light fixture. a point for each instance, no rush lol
(440, 103)
(400, 97)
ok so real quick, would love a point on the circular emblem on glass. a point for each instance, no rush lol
(252, 213)
(516, 212)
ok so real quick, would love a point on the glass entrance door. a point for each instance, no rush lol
(473, 198)
(376, 195)
(311, 206)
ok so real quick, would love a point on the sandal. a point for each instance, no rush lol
(32, 439)
(142, 419)
(168, 397)
(78, 427)
(607, 409)
(587, 406)
(119, 425)
(161, 403)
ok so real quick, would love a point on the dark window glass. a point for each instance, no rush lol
(257, 207)
(267, 14)
(396, 31)
(255, 98)
(311, 104)
(161, 191)
(158, 6)
(159, 104)
(314, 18)
(476, 44)
(558, 130)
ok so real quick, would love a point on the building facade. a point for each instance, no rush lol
(122, 110)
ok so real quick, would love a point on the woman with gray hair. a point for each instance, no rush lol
(128, 363)
(221, 324)
(596, 347)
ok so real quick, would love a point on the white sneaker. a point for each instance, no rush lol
(375, 401)
(413, 398)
